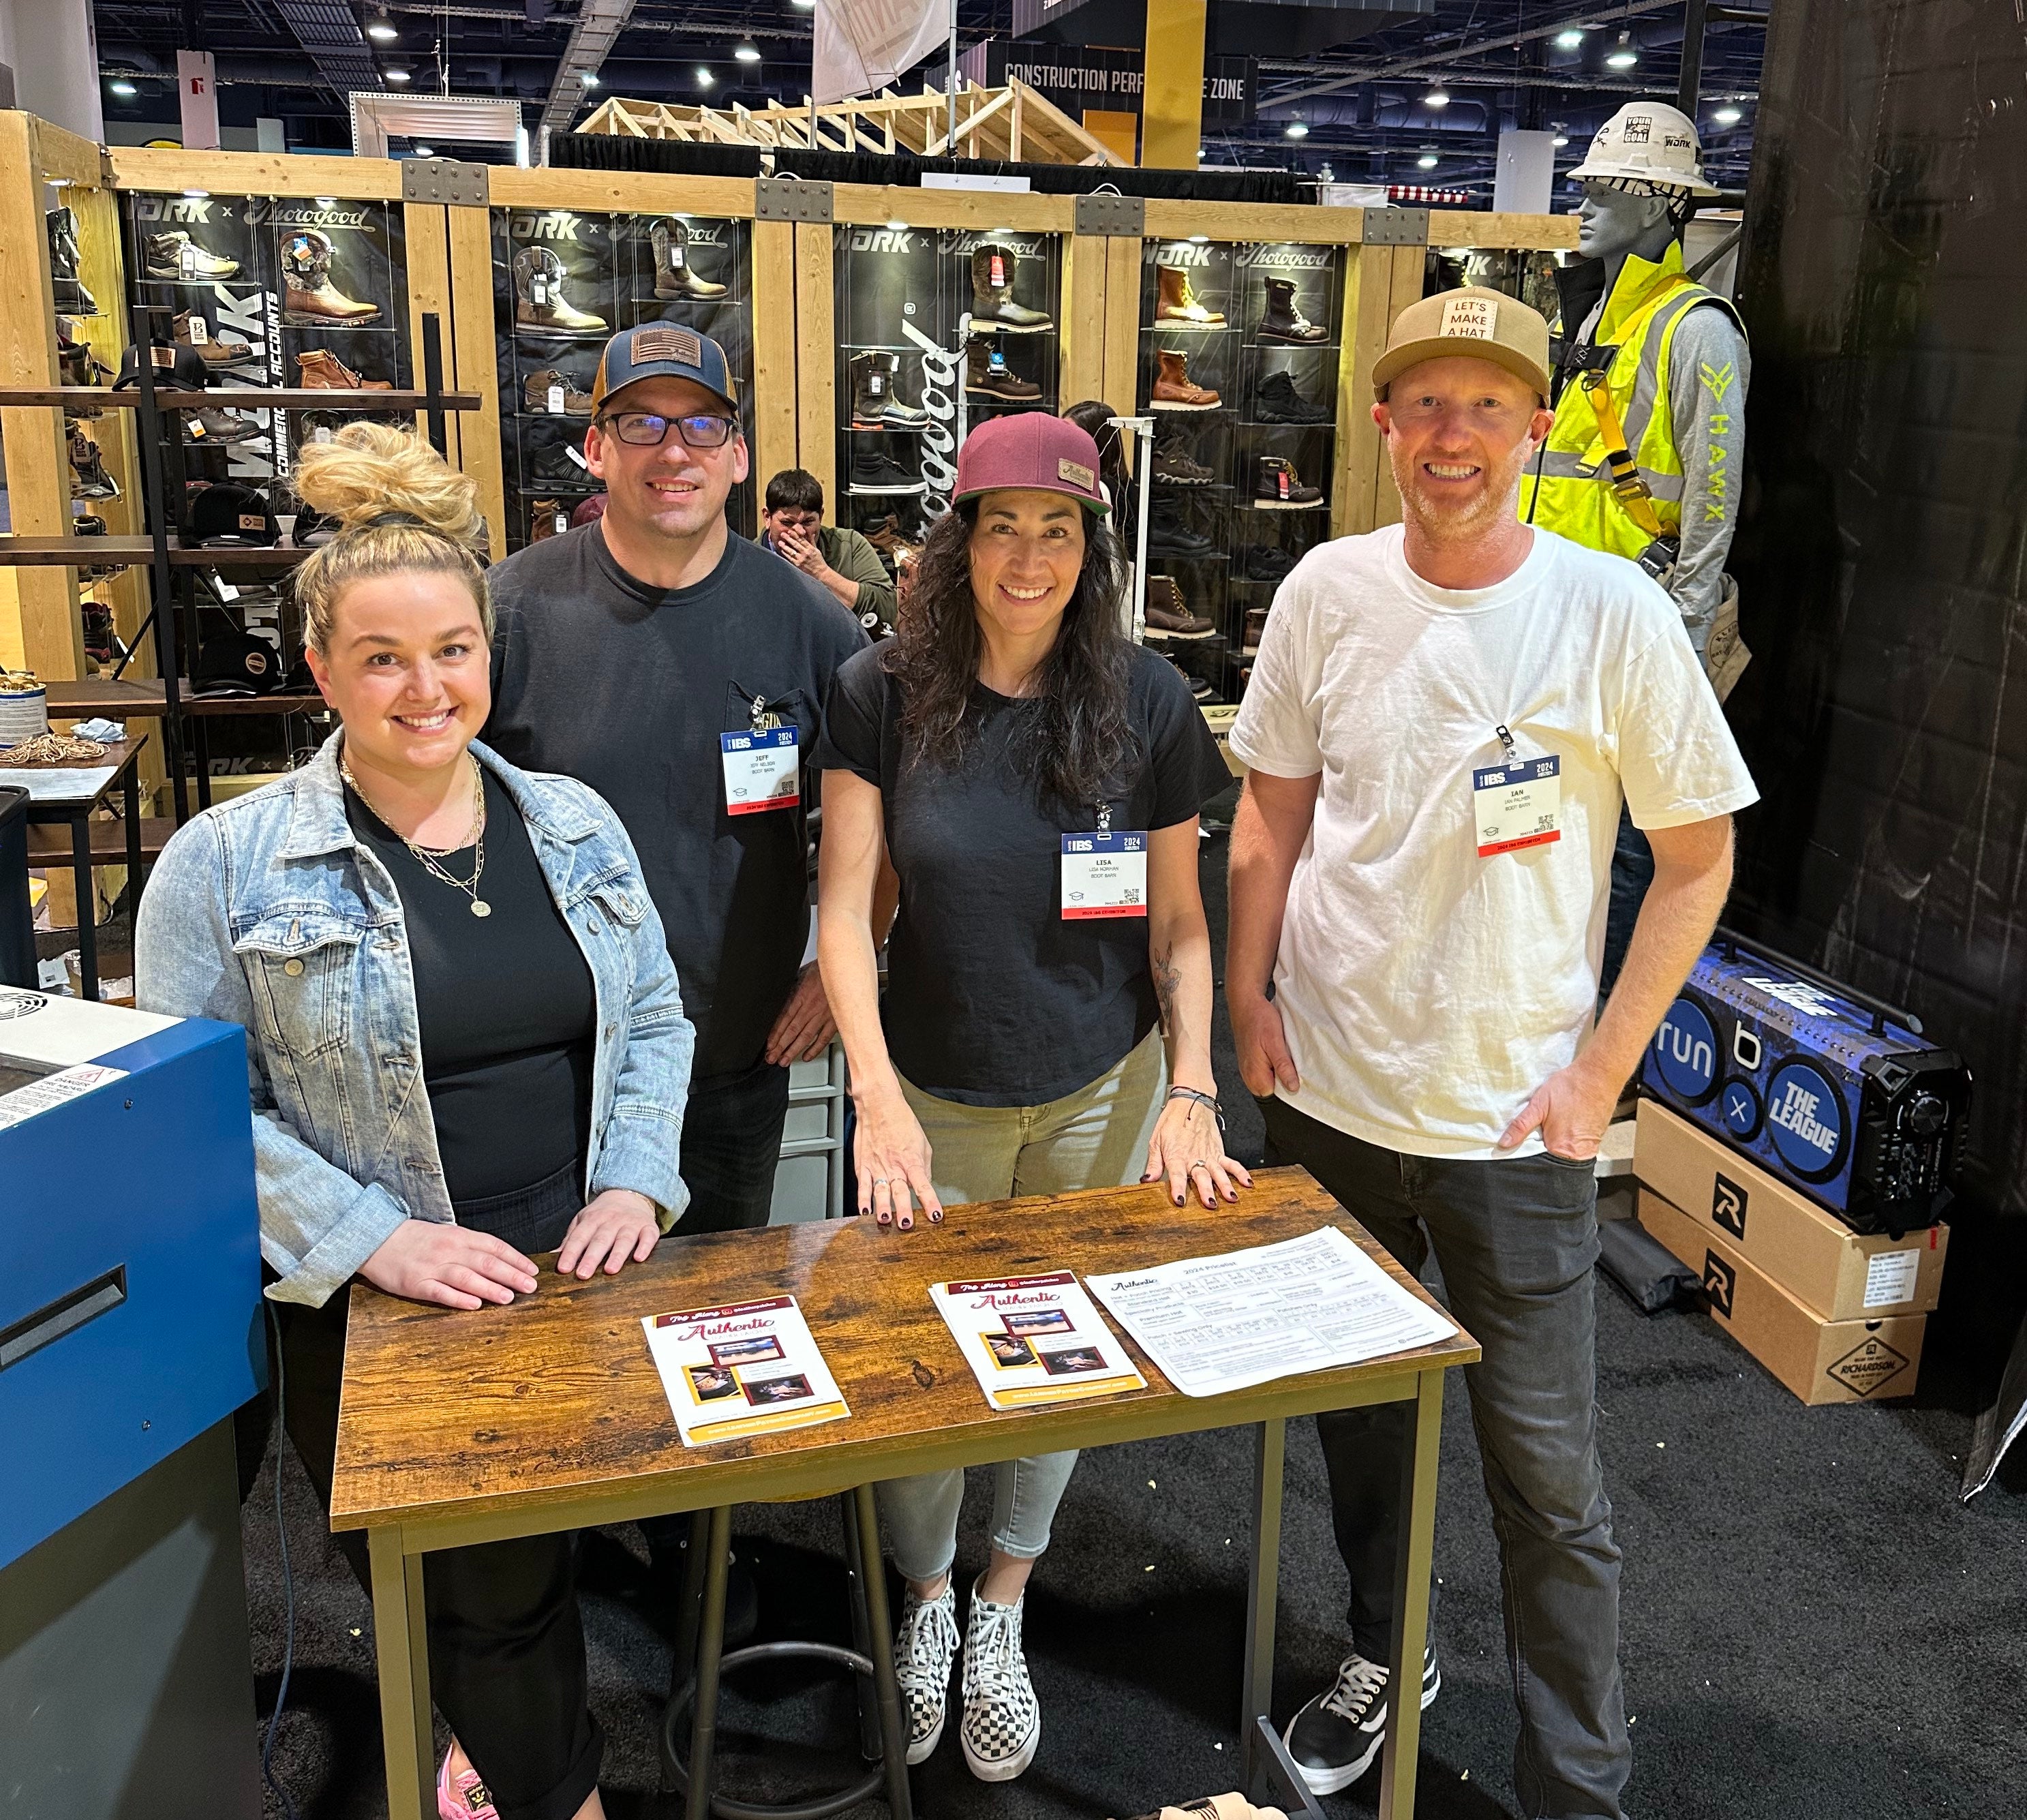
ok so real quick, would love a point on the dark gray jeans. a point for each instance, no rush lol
(1516, 1240)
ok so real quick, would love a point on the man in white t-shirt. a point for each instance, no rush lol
(1441, 721)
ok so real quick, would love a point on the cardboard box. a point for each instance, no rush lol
(1821, 1361)
(1842, 1275)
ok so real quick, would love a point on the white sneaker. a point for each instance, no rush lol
(1001, 1725)
(924, 1650)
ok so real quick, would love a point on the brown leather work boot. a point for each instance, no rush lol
(1179, 302)
(548, 392)
(309, 300)
(1172, 389)
(546, 518)
(1168, 614)
(323, 371)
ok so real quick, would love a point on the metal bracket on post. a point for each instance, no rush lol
(791, 199)
(444, 181)
(1397, 227)
(1113, 216)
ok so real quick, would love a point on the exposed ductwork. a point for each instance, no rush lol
(598, 27)
(330, 32)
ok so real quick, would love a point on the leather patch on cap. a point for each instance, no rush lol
(1472, 318)
(683, 346)
(1075, 471)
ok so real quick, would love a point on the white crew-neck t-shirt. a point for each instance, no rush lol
(1427, 992)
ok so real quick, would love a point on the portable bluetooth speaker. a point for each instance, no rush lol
(1825, 1087)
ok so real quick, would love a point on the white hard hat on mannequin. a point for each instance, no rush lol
(1648, 142)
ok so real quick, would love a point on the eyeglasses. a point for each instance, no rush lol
(645, 429)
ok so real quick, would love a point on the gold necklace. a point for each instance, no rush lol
(427, 857)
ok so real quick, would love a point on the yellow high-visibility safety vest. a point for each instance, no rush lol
(1576, 483)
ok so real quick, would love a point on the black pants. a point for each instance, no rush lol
(507, 1660)
(732, 1139)
(1517, 1239)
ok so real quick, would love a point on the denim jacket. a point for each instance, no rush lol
(268, 912)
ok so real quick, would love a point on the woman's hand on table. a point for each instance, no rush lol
(618, 1225)
(425, 1260)
(892, 1153)
(1188, 1148)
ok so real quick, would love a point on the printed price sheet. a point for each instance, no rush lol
(1034, 1339)
(1215, 1324)
(750, 1367)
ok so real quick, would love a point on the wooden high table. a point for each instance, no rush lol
(548, 1415)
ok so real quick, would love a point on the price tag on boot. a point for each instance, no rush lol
(200, 331)
(1105, 874)
(1516, 804)
(555, 401)
(762, 770)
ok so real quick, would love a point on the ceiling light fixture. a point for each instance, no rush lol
(747, 53)
(704, 78)
(898, 226)
(1428, 161)
(124, 88)
(381, 31)
(1725, 116)
(425, 152)
(196, 195)
(1560, 140)
(397, 75)
(804, 6)
(1621, 55)
(587, 77)
(1297, 130)
(1570, 40)
(1437, 97)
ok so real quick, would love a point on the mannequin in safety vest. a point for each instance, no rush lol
(1651, 372)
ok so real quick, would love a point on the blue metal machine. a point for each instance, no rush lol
(131, 1328)
(1829, 1089)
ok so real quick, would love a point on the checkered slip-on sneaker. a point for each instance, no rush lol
(463, 1796)
(925, 1651)
(1002, 1722)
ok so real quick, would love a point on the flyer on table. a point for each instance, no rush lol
(1034, 1339)
(750, 1367)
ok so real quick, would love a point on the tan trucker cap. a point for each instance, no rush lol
(1473, 324)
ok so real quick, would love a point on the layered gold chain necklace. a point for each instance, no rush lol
(428, 858)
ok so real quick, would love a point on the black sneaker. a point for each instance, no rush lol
(1335, 1738)
(1268, 562)
(875, 473)
(1170, 536)
(1279, 402)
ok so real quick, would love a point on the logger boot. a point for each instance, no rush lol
(539, 302)
(869, 391)
(78, 364)
(320, 369)
(1283, 322)
(992, 304)
(893, 415)
(550, 392)
(88, 478)
(674, 276)
(217, 353)
(309, 300)
(1169, 614)
(986, 375)
(174, 255)
(1280, 488)
(1173, 390)
(68, 293)
(1178, 303)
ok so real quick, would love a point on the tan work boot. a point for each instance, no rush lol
(538, 294)
(309, 300)
(548, 392)
(1172, 389)
(321, 370)
(1178, 303)
(218, 354)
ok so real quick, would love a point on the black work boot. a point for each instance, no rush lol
(68, 292)
(1283, 322)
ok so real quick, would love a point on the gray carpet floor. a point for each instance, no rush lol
(1813, 1627)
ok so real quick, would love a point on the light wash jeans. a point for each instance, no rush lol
(1094, 1138)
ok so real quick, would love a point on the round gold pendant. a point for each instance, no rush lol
(480, 907)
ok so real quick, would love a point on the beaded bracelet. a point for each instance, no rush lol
(1202, 1099)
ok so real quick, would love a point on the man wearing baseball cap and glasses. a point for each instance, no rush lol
(681, 671)
(1443, 717)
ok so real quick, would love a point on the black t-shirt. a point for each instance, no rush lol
(993, 998)
(507, 1006)
(627, 687)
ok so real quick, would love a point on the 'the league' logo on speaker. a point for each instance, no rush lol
(1805, 1119)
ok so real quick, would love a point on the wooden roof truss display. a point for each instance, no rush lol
(1015, 123)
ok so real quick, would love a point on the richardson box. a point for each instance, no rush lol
(1821, 1361)
(1842, 1275)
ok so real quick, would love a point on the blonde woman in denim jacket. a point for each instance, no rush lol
(465, 1047)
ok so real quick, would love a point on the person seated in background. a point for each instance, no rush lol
(415, 1125)
(841, 562)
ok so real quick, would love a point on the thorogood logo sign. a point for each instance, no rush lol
(943, 398)
(279, 212)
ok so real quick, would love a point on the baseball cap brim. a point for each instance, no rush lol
(1396, 361)
(1097, 507)
(602, 401)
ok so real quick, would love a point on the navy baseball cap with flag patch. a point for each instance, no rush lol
(663, 350)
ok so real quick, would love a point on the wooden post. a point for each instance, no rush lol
(1172, 89)
(474, 361)
(776, 375)
(815, 312)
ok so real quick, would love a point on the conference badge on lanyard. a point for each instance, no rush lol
(763, 767)
(1105, 874)
(1516, 804)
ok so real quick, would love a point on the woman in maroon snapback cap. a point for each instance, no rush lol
(1028, 781)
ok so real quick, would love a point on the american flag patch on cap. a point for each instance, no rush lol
(660, 342)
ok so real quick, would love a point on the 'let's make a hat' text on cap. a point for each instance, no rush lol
(1473, 324)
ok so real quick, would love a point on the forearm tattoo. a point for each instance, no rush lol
(1167, 981)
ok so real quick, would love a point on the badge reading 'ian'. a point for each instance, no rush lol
(1471, 317)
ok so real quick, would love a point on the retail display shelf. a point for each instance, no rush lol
(134, 553)
(1329, 429)
(236, 397)
(1272, 505)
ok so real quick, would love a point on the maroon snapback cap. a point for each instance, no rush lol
(1030, 449)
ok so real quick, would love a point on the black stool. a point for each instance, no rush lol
(700, 1639)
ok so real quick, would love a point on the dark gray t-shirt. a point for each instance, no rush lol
(627, 687)
(993, 997)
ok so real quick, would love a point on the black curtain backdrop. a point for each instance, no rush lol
(1881, 549)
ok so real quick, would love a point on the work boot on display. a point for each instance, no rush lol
(1334, 1738)
(872, 472)
(319, 369)
(221, 355)
(538, 297)
(550, 394)
(986, 375)
(1168, 614)
(226, 427)
(1256, 625)
(88, 478)
(1282, 321)
(869, 390)
(68, 290)
(175, 256)
(78, 364)
(1280, 488)
(562, 466)
(1279, 402)
(1268, 562)
(546, 519)
(1178, 303)
(1173, 390)
(1198, 687)
(992, 304)
(309, 300)
(673, 276)
(1169, 535)
(1174, 465)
